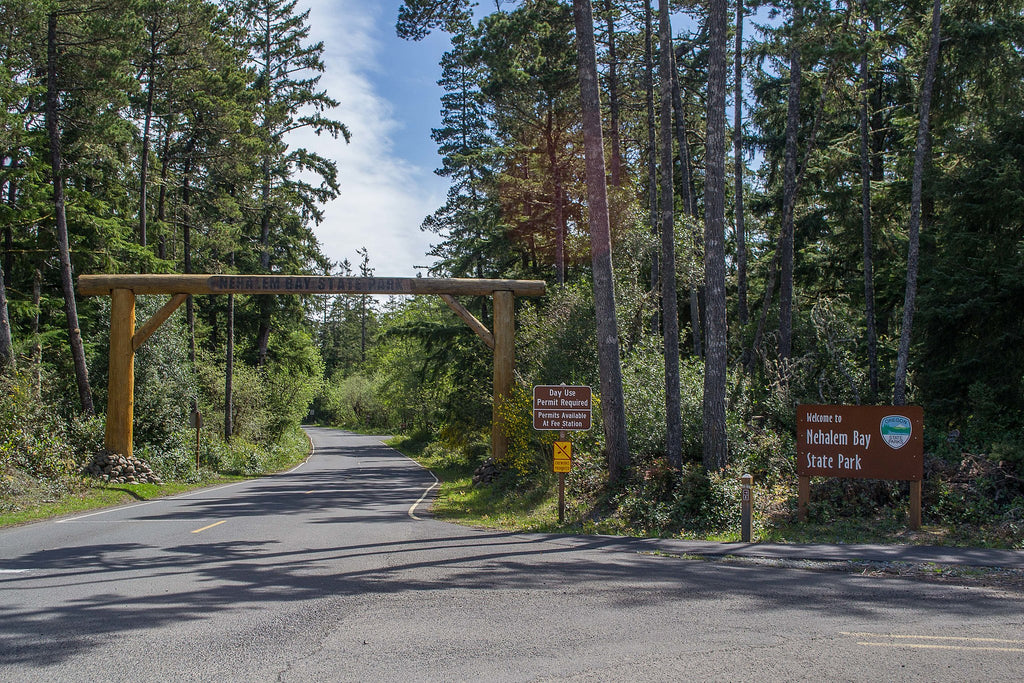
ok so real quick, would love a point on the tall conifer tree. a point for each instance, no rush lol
(613, 408)
(715, 362)
(288, 71)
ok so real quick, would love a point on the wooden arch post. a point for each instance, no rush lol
(121, 379)
(125, 339)
(504, 366)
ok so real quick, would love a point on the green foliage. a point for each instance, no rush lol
(529, 450)
(291, 379)
(165, 385)
(227, 194)
(643, 372)
(268, 401)
(661, 501)
(38, 441)
(556, 342)
(352, 402)
(242, 457)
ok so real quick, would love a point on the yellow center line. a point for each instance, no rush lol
(309, 492)
(901, 636)
(930, 646)
(209, 526)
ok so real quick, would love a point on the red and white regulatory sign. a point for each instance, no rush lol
(560, 407)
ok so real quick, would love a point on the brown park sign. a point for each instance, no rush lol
(863, 442)
(560, 407)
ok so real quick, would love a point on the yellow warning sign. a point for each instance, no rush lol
(563, 456)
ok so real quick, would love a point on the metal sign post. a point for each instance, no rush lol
(746, 507)
(563, 464)
(197, 422)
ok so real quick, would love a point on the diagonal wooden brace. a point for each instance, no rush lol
(470, 319)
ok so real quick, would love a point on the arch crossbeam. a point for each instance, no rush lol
(99, 285)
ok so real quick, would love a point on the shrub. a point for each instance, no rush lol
(39, 441)
(527, 448)
(352, 402)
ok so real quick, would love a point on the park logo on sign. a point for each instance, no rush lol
(895, 430)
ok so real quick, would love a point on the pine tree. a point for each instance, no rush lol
(472, 244)
(789, 186)
(530, 78)
(612, 404)
(85, 54)
(917, 178)
(287, 74)
(715, 445)
(670, 308)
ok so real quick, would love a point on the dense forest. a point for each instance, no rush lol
(806, 202)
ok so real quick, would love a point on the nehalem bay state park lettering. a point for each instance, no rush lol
(865, 442)
(299, 283)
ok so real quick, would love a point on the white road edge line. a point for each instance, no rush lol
(437, 482)
(412, 510)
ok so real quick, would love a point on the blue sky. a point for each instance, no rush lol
(389, 99)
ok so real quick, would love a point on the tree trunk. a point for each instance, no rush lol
(60, 218)
(679, 119)
(762, 320)
(263, 333)
(559, 198)
(716, 450)
(669, 305)
(737, 150)
(186, 246)
(613, 97)
(877, 119)
(12, 197)
(229, 371)
(37, 341)
(144, 160)
(613, 409)
(689, 202)
(161, 204)
(914, 242)
(789, 181)
(652, 163)
(865, 204)
(6, 343)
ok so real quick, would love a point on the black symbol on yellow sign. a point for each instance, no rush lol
(563, 456)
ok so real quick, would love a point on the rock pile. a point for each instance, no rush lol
(486, 473)
(119, 469)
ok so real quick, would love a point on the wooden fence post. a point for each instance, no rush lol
(915, 505)
(803, 497)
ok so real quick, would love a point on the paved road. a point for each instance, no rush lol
(325, 573)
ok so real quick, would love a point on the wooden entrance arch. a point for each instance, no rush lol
(125, 339)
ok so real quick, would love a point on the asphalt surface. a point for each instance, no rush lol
(335, 571)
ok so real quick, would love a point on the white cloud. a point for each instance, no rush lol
(384, 195)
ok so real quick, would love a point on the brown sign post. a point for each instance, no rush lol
(861, 442)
